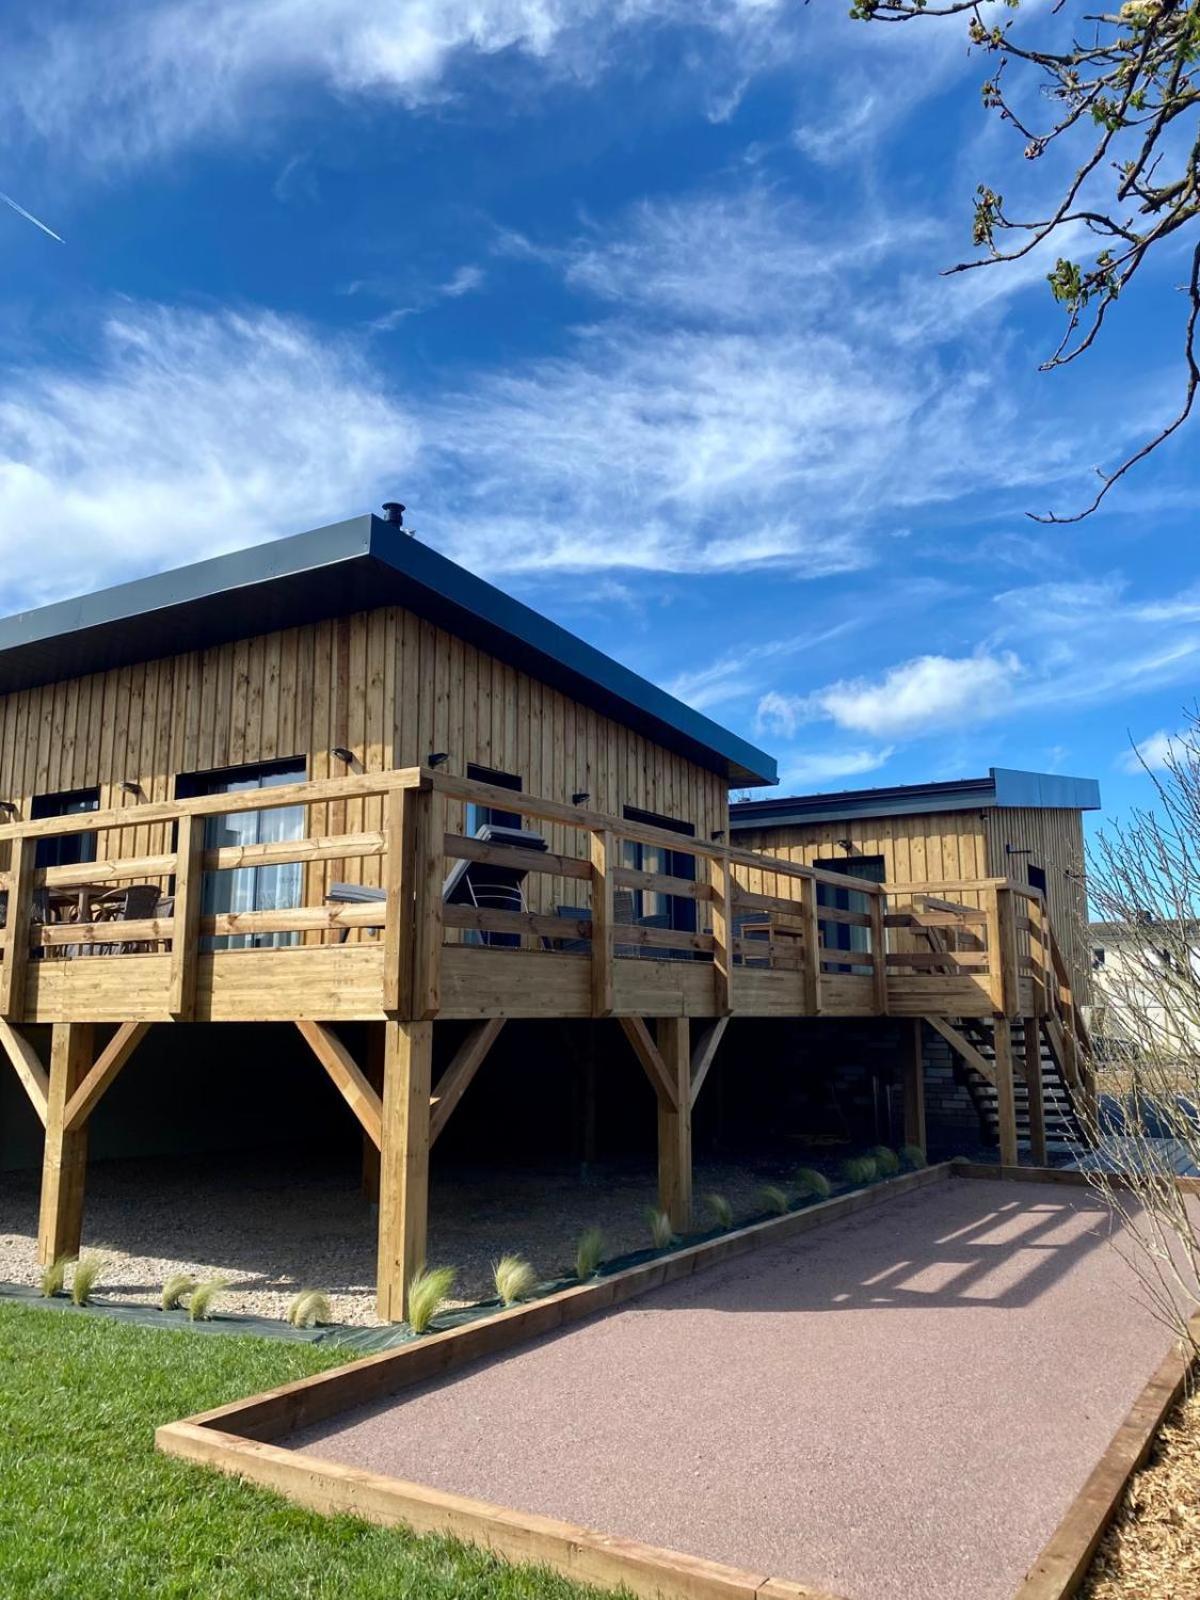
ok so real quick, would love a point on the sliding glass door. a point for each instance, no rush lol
(272, 888)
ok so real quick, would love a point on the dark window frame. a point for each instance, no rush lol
(680, 909)
(67, 849)
(492, 816)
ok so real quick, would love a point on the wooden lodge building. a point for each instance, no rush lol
(1024, 827)
(335, 800)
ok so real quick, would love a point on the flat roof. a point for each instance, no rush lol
(1003, 786)
(356, 565)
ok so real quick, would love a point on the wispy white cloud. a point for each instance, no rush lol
(927, 694)
(187, 435)
(142, 80)
(468, 279)
(1153, 752)
(808, 768)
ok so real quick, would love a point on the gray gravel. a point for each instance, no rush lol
(272, 1228)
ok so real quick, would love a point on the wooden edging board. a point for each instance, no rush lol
(1063, 1564)
(236, 1438)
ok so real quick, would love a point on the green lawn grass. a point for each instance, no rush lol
(88, 1508)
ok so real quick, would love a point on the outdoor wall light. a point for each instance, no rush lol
(717, 833)
(437, 758)
(340, 753)
(580, 797)
(128, 786)
(9, 808)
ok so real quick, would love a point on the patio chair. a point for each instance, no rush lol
(137, 902)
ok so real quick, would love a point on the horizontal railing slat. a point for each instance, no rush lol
(462, 848)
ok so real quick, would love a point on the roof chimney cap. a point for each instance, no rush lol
(393, 512)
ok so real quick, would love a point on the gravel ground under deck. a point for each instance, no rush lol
(902, 1403)
(271, 1227)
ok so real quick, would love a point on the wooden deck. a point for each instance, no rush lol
(979, 948)
(760, 942)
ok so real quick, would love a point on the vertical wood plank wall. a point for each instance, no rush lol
(918, 849)
(1054, 842)
(385, 684)
(943, 846)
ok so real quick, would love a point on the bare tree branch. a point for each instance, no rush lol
(1133, 78)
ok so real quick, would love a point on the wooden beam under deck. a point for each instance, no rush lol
(64, 1162)
(27, 1064)
(404, 1164)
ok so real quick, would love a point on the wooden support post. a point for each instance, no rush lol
(1006, 1110)
(995, 979)
(604, 862)
(1033, 1083)
(879, 960)
(399, 866)
(373, 1072)
(1010, 971)
(811, 945)
(429, 848)
(404, 1163)
(64, 1163)
(724, 895)
(17, 928)
(185, 928)
(914, 1088)
(675, 1124)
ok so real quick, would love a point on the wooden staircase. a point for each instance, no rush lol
(1063, 1132)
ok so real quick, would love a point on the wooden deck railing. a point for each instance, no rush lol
(949, 948)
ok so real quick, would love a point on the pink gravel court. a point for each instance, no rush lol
(902, 1402)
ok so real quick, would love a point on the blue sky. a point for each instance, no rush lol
(636, 303)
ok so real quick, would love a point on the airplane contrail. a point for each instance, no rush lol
(29, 217)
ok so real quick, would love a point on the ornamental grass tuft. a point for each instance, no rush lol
(857, 1170)
(83, 1279)
(428, 1292)
(310, 1309)
(54, 1277)
(177, 1286)
(514, 1278)
(810, 1182)
(203, 1299)
(719, 1209)
(589, 1253)
(775, 1199)
(661, 1231)
(913, 1157)
(887, 1162)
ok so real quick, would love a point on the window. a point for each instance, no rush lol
(1037, 878)
(651, 909)
(846, 935)
(492, 816)
(69, 848)
(250, 888)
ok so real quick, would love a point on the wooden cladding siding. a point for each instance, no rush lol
(922, 849)
(385, 684)
(948, 846)
(1052, 840)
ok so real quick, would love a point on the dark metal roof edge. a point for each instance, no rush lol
(200, 580)
(450, 594)
(553, 650)
(1004, 788)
